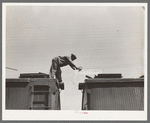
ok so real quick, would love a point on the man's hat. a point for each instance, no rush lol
(74, 56)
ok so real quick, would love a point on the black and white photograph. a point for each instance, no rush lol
(74, 61)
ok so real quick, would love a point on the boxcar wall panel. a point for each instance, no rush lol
(108, 97)
(116, 99)
(57, 99)
(17, 95)
(53, 98)
(84, 100)
(57, 103)
(56, 96)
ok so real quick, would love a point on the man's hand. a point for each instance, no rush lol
(80, 68)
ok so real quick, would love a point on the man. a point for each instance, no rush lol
(62, 61)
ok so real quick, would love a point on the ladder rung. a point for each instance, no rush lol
(40, 92)
(38, 102)
(40, 107)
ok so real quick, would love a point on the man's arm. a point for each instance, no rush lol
(71, 64)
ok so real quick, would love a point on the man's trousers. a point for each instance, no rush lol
(55, 70)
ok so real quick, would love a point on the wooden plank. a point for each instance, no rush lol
(108, 76)
(102, 80)
(49, 99)
(18, 80)
(32, 98)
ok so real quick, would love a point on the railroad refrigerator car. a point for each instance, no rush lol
(30, 93)
(108, 93)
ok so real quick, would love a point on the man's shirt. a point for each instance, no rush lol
(65, 60)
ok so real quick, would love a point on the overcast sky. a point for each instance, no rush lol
(105, 39)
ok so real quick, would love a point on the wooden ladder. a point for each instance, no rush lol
(40, 97)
